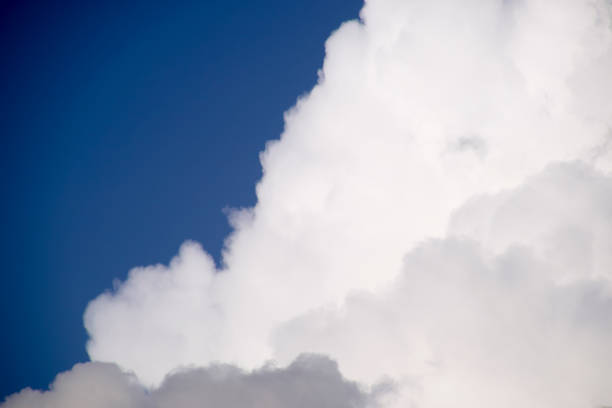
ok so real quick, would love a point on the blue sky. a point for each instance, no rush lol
(127, 129)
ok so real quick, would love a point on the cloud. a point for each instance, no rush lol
(420, 106)
(563, 214)
(310, 381)
(437, 210)
(472, 324)
(161, 318)
(459, 328)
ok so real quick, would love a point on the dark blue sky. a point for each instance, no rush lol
(126, 130)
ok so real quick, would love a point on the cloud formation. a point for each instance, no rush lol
(437, 211)
(470, 324)
(310, 381)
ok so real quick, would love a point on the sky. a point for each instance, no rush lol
(127, 129)
(402, 203)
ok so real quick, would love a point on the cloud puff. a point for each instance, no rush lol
(563, 214)
(437, 210)
(161, 318)
(310, 381)
(473, 324)
(464, 329)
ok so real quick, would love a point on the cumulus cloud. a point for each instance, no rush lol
(469, 324)
(437, 210)
(420, 106)
(161, 318)
(563, 214)
(310, 381)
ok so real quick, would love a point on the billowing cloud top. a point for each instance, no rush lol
(437, 214)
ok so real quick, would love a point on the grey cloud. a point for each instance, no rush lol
(310, 381)
(469, 143)
(91, 385)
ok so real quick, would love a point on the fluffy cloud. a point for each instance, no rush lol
(310, 381)
(562, 214)
(409, 221)
(161, 318)
(468, 323)
(421, 105)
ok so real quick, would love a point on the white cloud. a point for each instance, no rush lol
(563, 214)
(470, 324)
(159, 311)
(431, 120)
